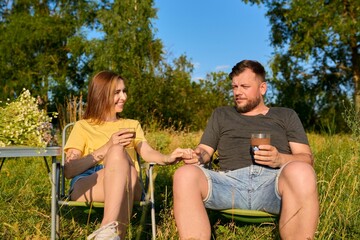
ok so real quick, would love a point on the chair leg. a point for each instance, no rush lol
(55, 218)
(152, 202)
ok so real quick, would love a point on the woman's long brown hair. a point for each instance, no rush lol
(100, 98)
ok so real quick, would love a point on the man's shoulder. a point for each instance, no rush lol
(225, 109)
(281, 111)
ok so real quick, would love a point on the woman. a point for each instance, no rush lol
(100, 155)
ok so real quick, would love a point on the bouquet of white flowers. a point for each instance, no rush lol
(23, 123)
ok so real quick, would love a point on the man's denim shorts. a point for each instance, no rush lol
(253, 187)
(88, 172)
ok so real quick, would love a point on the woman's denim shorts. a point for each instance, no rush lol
(253, 187)
(88, 172)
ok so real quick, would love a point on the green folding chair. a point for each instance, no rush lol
(249, 216)
(63, 199)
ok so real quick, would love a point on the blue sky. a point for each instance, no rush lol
(213, 34)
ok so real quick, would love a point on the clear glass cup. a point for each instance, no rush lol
(129, 130)
(259, 139)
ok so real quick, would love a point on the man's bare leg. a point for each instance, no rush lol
(190, 188)
(300, 205)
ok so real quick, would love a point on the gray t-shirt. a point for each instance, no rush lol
(229, 133)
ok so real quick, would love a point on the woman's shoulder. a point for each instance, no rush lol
(82, 123)
(128, 121)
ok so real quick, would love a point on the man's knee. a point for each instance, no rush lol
(299, 177)
(186, 173)
(187, 177)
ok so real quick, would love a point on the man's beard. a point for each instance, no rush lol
(249, 106)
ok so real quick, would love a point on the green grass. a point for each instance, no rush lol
(25, 196)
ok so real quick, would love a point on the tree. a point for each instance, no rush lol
(158, 90)
(46, 47)
(320, 41)
(41, 46)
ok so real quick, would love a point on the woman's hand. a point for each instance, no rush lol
(122, 137)
(177, 155)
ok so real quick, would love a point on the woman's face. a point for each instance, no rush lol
(120, 96)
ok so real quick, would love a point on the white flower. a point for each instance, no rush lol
(21, 122)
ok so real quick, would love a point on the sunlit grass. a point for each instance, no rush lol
(25, 196)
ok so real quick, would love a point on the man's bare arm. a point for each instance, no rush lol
(204, 153)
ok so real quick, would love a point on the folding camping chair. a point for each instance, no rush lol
(244, 215)
(63, 199)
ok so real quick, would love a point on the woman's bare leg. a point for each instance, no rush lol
(114, 185)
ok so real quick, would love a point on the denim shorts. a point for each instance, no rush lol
(253, 188)
(88, 172)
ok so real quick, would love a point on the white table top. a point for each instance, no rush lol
(23, 151)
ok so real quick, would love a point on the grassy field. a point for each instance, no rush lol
(25, 196)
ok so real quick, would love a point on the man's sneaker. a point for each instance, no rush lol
(106, 232)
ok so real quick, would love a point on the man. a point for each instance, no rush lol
(277, 178)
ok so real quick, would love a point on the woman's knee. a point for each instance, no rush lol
(116, 153)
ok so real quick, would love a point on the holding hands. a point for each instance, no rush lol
(180, 154)
(191, 156)
(188, 156)
(266, 155)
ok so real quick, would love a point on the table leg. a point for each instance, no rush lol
(2, 162)
(53, 200)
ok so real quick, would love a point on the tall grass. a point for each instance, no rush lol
(25, 195)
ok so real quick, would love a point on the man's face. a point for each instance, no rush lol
(248, 90)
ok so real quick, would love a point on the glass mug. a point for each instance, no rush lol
(259, 139)
(130, 130)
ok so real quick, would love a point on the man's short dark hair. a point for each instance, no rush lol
(255, 66)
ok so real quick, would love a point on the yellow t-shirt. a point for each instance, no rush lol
(88, 137)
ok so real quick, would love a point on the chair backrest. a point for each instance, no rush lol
(65, 131)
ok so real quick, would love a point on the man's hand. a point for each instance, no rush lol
(267, 155)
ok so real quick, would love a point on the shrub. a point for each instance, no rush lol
(23, 123)
(352, 119)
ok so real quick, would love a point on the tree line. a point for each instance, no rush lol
(49, 47)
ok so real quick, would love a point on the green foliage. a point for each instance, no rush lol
(337, 166)
(23, 123)
(38, 50)
(59, 45)
(317, 57)
(316, 102)
(352, 119)
(49, 48)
